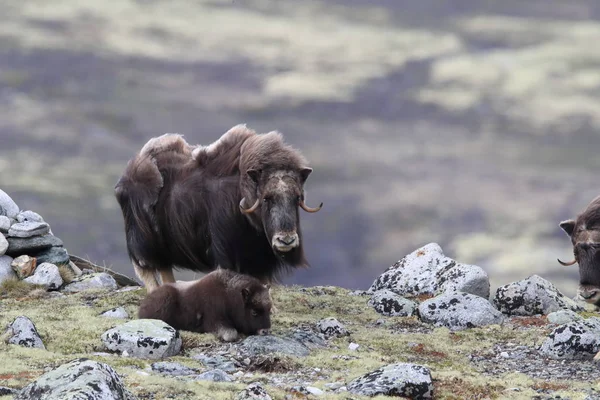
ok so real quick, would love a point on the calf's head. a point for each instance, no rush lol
(256, 318)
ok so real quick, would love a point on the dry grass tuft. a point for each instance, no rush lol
(15, 288)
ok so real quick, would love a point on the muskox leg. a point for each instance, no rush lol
(166, 276)
(227, 334)
(147, 276)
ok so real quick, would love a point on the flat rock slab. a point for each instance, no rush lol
(390, 304)
(215, 375)
(21, 246)
(404, 380)
(574, 340)
(22, 332)
(5, 223)
(100, 280)
(143, 338)
(46, 275)
(79, 379)
(561, 317)
(532, 296)
(458, 311)
(54, 255)
(29, 216)
(308, 338)
(258, 345)
(28, 229)
(7, 206)
(118, 312)
(216, 362)
(173, 369)
(6, 270)
(254, 391)
(331, 327)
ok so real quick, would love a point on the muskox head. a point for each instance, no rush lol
(584, 232)
(257, 310)
(277, 196)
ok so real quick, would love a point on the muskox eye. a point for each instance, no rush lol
(254, 313)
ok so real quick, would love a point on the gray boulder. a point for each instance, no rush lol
(20, 246)
(6, 391)
(574, 340)
(5, 224)
(46, 275)
(532, 296)
(405, 380)
(390, 304)
(258, 345)
(3, 245)
(463, 278)
(331, 327)
(308, 338)
(22, 332)
(561, 317)
(6, 270)
(24, 266)
(215, 375)
(54, 255)
(29, 216)
(458, 311)
(8, 207)
(78, 379)
(118, 312)
(216, 362)
(28, 229)
(100, 280)
(143, 338)
(254, 391)
(172, 368)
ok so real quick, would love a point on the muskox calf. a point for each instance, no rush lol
(584, 232)
(223, 302)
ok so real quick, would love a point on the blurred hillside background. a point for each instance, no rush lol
(473, 124)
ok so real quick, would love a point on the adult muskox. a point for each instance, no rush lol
(233, 204)
(584, 231)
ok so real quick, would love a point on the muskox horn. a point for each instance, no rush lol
(566, 264)
(251, 209)
(310, 209)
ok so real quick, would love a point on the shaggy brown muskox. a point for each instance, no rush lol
(584, 232)
(233, 204)
(223, 302)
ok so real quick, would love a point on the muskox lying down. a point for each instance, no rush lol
(223, 302)
(233, 204)
(584, 231)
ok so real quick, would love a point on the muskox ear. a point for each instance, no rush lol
(245, 294)
(254, 174)
(568, 226)
(304, 173)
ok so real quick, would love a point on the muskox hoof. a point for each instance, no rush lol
(227, 334)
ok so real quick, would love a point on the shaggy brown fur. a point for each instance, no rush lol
(223, 302)
(181, 205)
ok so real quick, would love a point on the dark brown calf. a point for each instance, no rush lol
(223, 302)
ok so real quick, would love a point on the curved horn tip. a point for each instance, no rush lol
(251, 209)
(566, 264)
(310, 209)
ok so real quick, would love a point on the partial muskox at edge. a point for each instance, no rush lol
(584, 232)
(233, 204)
(223, 302)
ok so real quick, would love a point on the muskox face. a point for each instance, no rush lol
(585, 237)
(257, 310)
(279, 195)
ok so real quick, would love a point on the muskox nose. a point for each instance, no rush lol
(264, 332)
(285, 242)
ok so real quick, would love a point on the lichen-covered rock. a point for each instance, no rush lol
(215, 375)
(331, 327)
(3, 245)
(532, 296)
(8, 207)
(172, 368)
(47, 275)
(29, 216)
(308, 338)
(459, 310)
(463, 278)
(28, 229)
(118, 312)
(5, 224)
(100, 280)
(20, 246)
(574, 340)
(24, 266)
(143, 338)
(54, 255)
(78, 379)
(254, 391)
(216, 362)
(405, 380)
(257, 345)
(6, 270)
(6, 391)
(22, 332)
(390, 304)
(561, 317)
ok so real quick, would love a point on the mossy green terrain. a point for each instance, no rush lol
(70, 328)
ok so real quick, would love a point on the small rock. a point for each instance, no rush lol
(463, 278)
(6, 391)
(28, 229)
(20, 246)
(143, 338)
(29, 216)
(3, 245)
(390, 304)
(574, 340)
(6, 270)
(331, 327)
(561, 317)
(7, 206)
(353, 346)
(254, 391)
(314, 391)
(54, 255)
(100, 280)
(334, 385)
(257, 345)
(118, 312)
(5, 224)
(47, 275)
(532, 296)
(24, 266)
(308, 338)
(215, 375)
(217, 362)
(172, 368)
(406, 380)
(78, 379)
(22, 332)
(458, 311)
